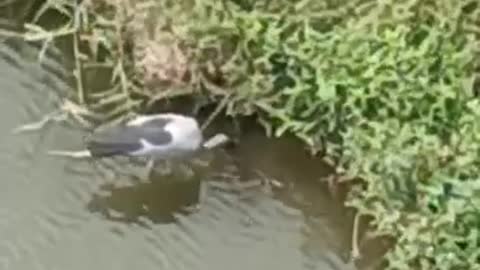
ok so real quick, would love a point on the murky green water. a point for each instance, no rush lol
(62, 214)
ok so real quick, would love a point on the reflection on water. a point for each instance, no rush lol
(157, 201)
(69, 214)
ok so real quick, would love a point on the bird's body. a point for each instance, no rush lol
(161, 136)
(167, 137)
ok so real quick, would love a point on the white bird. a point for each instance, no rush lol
(164, 136)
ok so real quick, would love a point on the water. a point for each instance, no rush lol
(58, 213)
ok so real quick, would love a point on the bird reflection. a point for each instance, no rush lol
(157, 201)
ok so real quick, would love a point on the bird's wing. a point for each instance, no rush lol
(159, 121)
(125, 140)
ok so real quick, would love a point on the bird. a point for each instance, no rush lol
(164, 136)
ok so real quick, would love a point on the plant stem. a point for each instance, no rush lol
(356, 224)
(78, 65)
(214, 114)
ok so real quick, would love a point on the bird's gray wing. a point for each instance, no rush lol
(153, 131)
(124, 139)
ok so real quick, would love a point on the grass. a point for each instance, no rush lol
(387, 91)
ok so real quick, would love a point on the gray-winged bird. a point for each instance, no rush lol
(159, 137)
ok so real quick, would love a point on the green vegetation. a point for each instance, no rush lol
(387, 90)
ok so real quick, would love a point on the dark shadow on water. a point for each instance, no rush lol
(157, 201)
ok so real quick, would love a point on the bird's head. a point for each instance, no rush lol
(217, 140)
